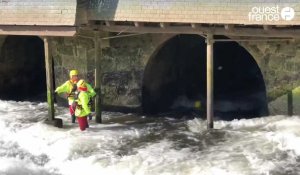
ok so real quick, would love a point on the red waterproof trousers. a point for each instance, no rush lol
(72, 111)
(83, 123)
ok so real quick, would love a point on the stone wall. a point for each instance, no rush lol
(279, 62)
(123, 62)
(72, 53)
(123, 68)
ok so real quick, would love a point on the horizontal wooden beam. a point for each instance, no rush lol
(195, 26)
(138, 24)
(229, 27)
(267, 27)
(148, 29)
(251, 32)
(37, 30)
(109, 23)
(164, 25)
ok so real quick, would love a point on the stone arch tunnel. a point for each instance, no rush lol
(22, 69)
(175, 77)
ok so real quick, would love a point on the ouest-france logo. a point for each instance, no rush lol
(271, 13)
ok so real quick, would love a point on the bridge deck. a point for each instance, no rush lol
(246, 12)
(43, 18)
(276, 18)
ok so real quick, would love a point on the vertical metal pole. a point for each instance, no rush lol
(290, 102)
(210, 82)
(49, 78)
(98, 52)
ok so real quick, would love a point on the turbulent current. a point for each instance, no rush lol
(127, 144)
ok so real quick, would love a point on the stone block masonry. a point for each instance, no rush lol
(124, 61)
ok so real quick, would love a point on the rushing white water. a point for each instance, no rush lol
(126, 144)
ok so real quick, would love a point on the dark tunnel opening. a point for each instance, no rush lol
(175, 78)
(22, 69)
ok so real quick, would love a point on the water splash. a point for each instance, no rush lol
(131, 144)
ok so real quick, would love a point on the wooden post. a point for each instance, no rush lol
(98, 52)
(49, 77)
(210, 82)
(290, 103)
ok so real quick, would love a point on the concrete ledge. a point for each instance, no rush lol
(56, 122)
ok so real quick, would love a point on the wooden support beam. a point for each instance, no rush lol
(37, 30)
(290, 103)
(98, 53)
(210, 82)
(49, 79)
(254, 32)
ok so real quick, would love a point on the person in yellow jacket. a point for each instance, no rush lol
(69, 87)
(82, 110)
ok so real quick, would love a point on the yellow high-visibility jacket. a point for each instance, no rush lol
(91, 92)
(67, 88)
(82, 108)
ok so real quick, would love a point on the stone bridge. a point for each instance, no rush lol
(152, 53)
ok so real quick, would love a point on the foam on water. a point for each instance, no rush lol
(168, 146)
(264, 145)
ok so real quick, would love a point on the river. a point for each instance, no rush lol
(128, 144)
